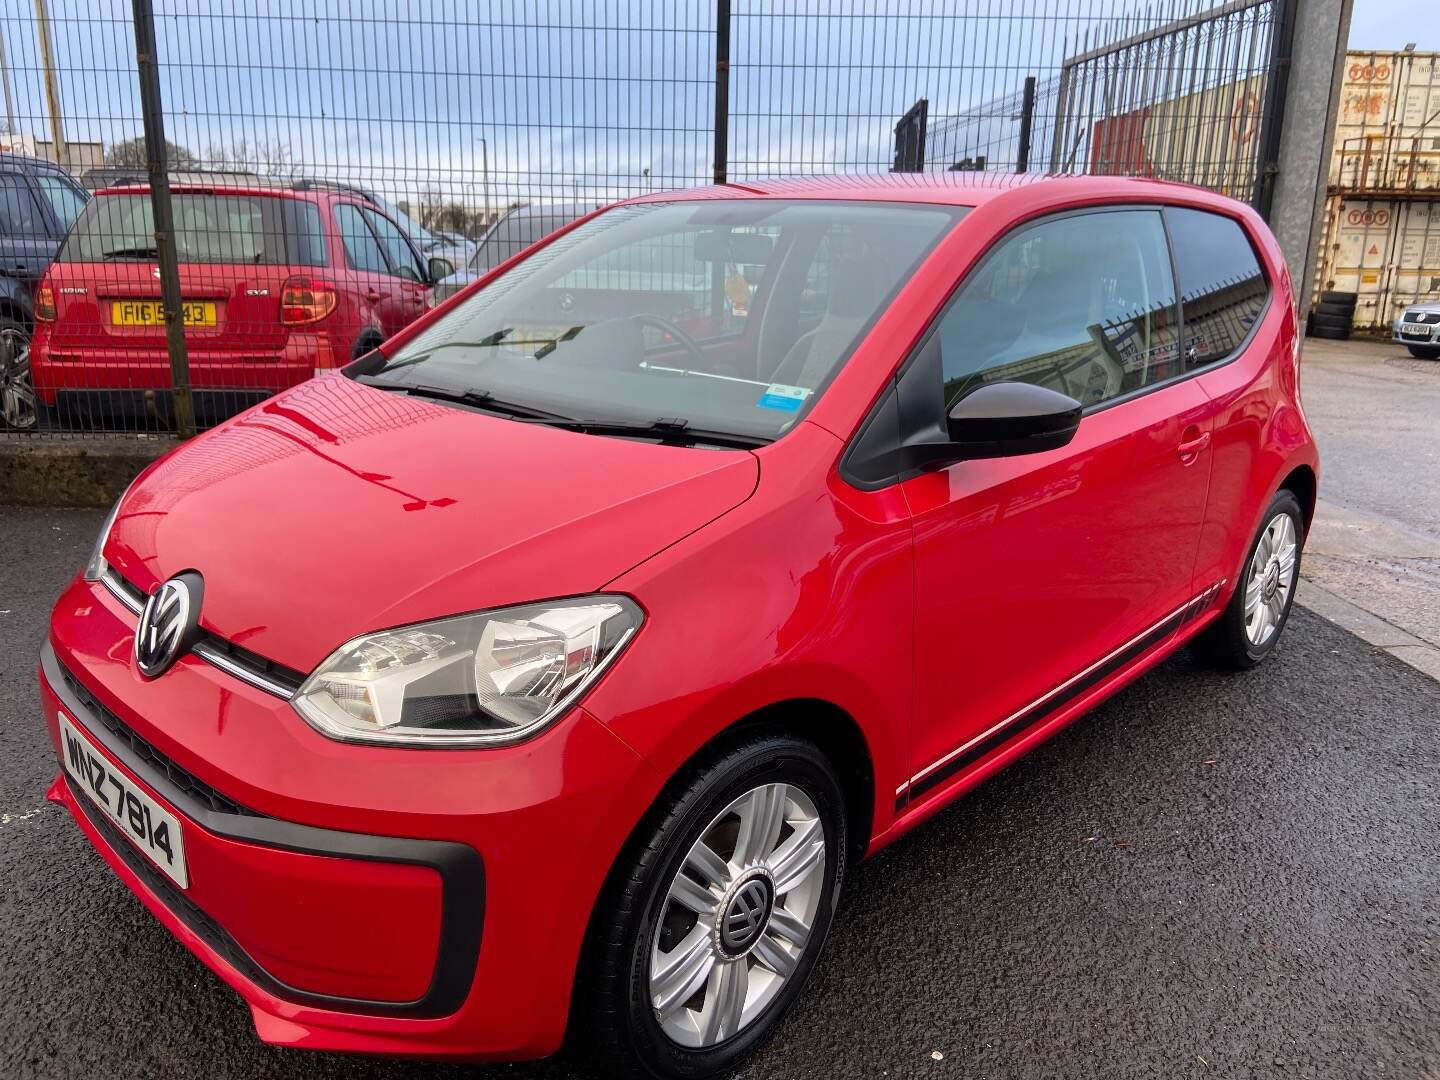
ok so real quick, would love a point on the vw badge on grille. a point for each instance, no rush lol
(165, 624)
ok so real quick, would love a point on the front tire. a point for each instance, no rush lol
(1251, 624)
(716, 913)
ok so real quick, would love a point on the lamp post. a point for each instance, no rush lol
(485, 179)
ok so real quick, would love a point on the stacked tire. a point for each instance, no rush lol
(1333, 316)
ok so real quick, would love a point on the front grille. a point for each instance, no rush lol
(252, 661)
(187, 782)
(240, 661)
(1422, 317)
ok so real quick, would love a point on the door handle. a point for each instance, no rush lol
(374, 296)
(1189, 448)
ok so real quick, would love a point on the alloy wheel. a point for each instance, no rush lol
(1270, 579)
(17, 391)
(738, 915)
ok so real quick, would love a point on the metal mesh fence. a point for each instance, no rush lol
(337, 168)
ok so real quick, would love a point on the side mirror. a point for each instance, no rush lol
(1001, 419)
(440, 268)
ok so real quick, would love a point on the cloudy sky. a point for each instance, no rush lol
(577, 98)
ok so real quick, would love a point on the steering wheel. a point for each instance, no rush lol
(668, 327)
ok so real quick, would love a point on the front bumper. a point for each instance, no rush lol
(1430, 337)
(422, 966)
(348, 927)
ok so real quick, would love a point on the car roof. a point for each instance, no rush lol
(10, 160)
(947, 188)
(195, 182)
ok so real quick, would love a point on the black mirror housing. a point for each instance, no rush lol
(1001, 419)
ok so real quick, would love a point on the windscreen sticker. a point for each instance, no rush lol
(784, 398)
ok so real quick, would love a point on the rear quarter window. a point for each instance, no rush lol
(1222, 285)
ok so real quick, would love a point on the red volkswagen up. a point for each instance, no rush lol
(278, 282)
(548, 667)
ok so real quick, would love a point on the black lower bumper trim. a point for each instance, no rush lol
(461, 870)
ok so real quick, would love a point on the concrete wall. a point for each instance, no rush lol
(1322, 28)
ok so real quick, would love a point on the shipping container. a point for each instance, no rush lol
(1381, 229)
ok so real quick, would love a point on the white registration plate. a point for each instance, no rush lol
(145, 823)
(1418, 329)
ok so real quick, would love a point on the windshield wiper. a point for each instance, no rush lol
(662, 429)
(480, 399)
(665, 430)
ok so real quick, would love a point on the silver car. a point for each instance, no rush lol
(513, 233)
(1418, 329)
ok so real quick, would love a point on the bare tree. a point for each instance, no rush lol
(268, 157)
(130, 154)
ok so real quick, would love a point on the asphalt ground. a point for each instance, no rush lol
(1211, 876)
(1376, 541)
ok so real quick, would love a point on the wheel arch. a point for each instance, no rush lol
(839, 737)
(12, 308)
(1302, 482)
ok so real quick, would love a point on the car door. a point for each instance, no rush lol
(1038, 575)
(28, 236)
(370, 269)
(1237, 364)
(408, 288)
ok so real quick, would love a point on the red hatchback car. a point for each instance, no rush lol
(546, 669)
(278, 283)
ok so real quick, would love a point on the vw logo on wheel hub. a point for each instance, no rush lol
(746, 915)
(167, 623)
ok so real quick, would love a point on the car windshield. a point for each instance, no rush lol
(269, 230)
(725, 316)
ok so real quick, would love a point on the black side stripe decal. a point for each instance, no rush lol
(1049, 706)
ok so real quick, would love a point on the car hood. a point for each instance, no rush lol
(336, 509)
(1428, 309)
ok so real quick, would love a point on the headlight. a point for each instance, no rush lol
(96, 567)
(473, 680)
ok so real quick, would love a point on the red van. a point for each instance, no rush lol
(277, 282)
(549, 667)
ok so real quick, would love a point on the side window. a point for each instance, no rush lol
(1084, 305)
(361, 250)
(402, 258)
(64, 197)
(1221, 284)
(19, 213)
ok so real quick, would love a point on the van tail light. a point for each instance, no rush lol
(305, 299)
(45, 304)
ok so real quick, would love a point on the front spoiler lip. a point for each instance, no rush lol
(461, 870)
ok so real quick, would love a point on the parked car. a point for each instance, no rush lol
(277, 281)
(1418, 329)
(38, 201)
(552, 666)
(511, 234)
(452, 246)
